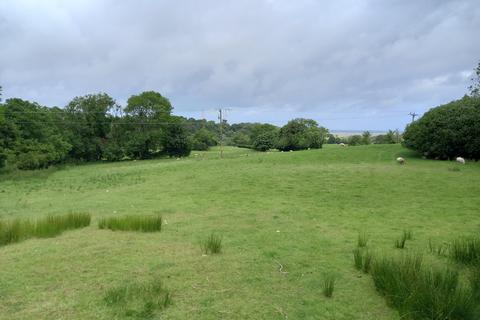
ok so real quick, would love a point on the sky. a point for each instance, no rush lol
(348, 64)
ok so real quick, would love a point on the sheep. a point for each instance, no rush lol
(460, 160)
(400, 160)
(342, 144)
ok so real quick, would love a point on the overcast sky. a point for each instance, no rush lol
(348, 64)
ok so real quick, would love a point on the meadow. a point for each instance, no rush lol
(288, 223)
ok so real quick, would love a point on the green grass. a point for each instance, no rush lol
(303, 209)
(52, 225)
(138, 300)
(362, 240)
(132, 223)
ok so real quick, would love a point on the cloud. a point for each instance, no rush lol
(267, 60)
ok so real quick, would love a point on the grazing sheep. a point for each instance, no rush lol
(460, 160)
(400, 160)
(342, 144)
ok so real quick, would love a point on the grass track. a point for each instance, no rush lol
(318, 200)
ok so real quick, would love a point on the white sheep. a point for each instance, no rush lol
(400, 160)
(460, 160)
(342, 144)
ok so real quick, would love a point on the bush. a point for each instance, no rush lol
(132, 223)
(447, 131)
(265, 141)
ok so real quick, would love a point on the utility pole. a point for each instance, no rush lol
(413, 114)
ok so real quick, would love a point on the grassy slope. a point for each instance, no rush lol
(319, 200)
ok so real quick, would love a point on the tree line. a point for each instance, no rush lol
(95, 127)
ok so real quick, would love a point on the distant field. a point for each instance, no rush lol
(295, 212)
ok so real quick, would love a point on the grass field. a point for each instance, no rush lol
(287, 221)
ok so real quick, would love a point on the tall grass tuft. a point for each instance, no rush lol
(139, 299)
(132, 223)
(367, 262)
(422, 293)
(400, 243)
(328, 285)
(50, 226)
(439, 250)
(362, 240)
(358, 258)
(213, 244)
(466, 250)
(408, 234)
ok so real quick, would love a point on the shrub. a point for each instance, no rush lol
(213, 244)
(447, 131)
(138, 300)
(422, 294)
(328, 285)
(265, 141)
(132, 223)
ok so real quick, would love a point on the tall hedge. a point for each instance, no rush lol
(447, 131)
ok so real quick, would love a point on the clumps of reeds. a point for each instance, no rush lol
(422, 293)
(132, 223)
(17, 230)
(212, 244)
(406, 235)
(328, 285)
(437, 249)
(362, 240)
(466, 250)
(362, 259)
(141, 300)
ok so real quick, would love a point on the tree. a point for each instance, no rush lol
(265, 141)
(366, 137)
(31, 135)
(447, 131)
(475, 86)
(175, 140)
(203, 140)
(301, 134)
(147, 115)
(89, 123)
(355, 140)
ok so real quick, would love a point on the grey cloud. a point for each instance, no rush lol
(268, 60)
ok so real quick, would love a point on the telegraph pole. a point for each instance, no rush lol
(413, 114)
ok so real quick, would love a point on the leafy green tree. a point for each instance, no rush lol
(203, 140)
(366, 137)
(31, 134)
(147, 115)
(355, 140)
(88, 122)
(475, 86)
(265, 141)
(175, 140)
(301, 134)
(390, 137)
(447, 131)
